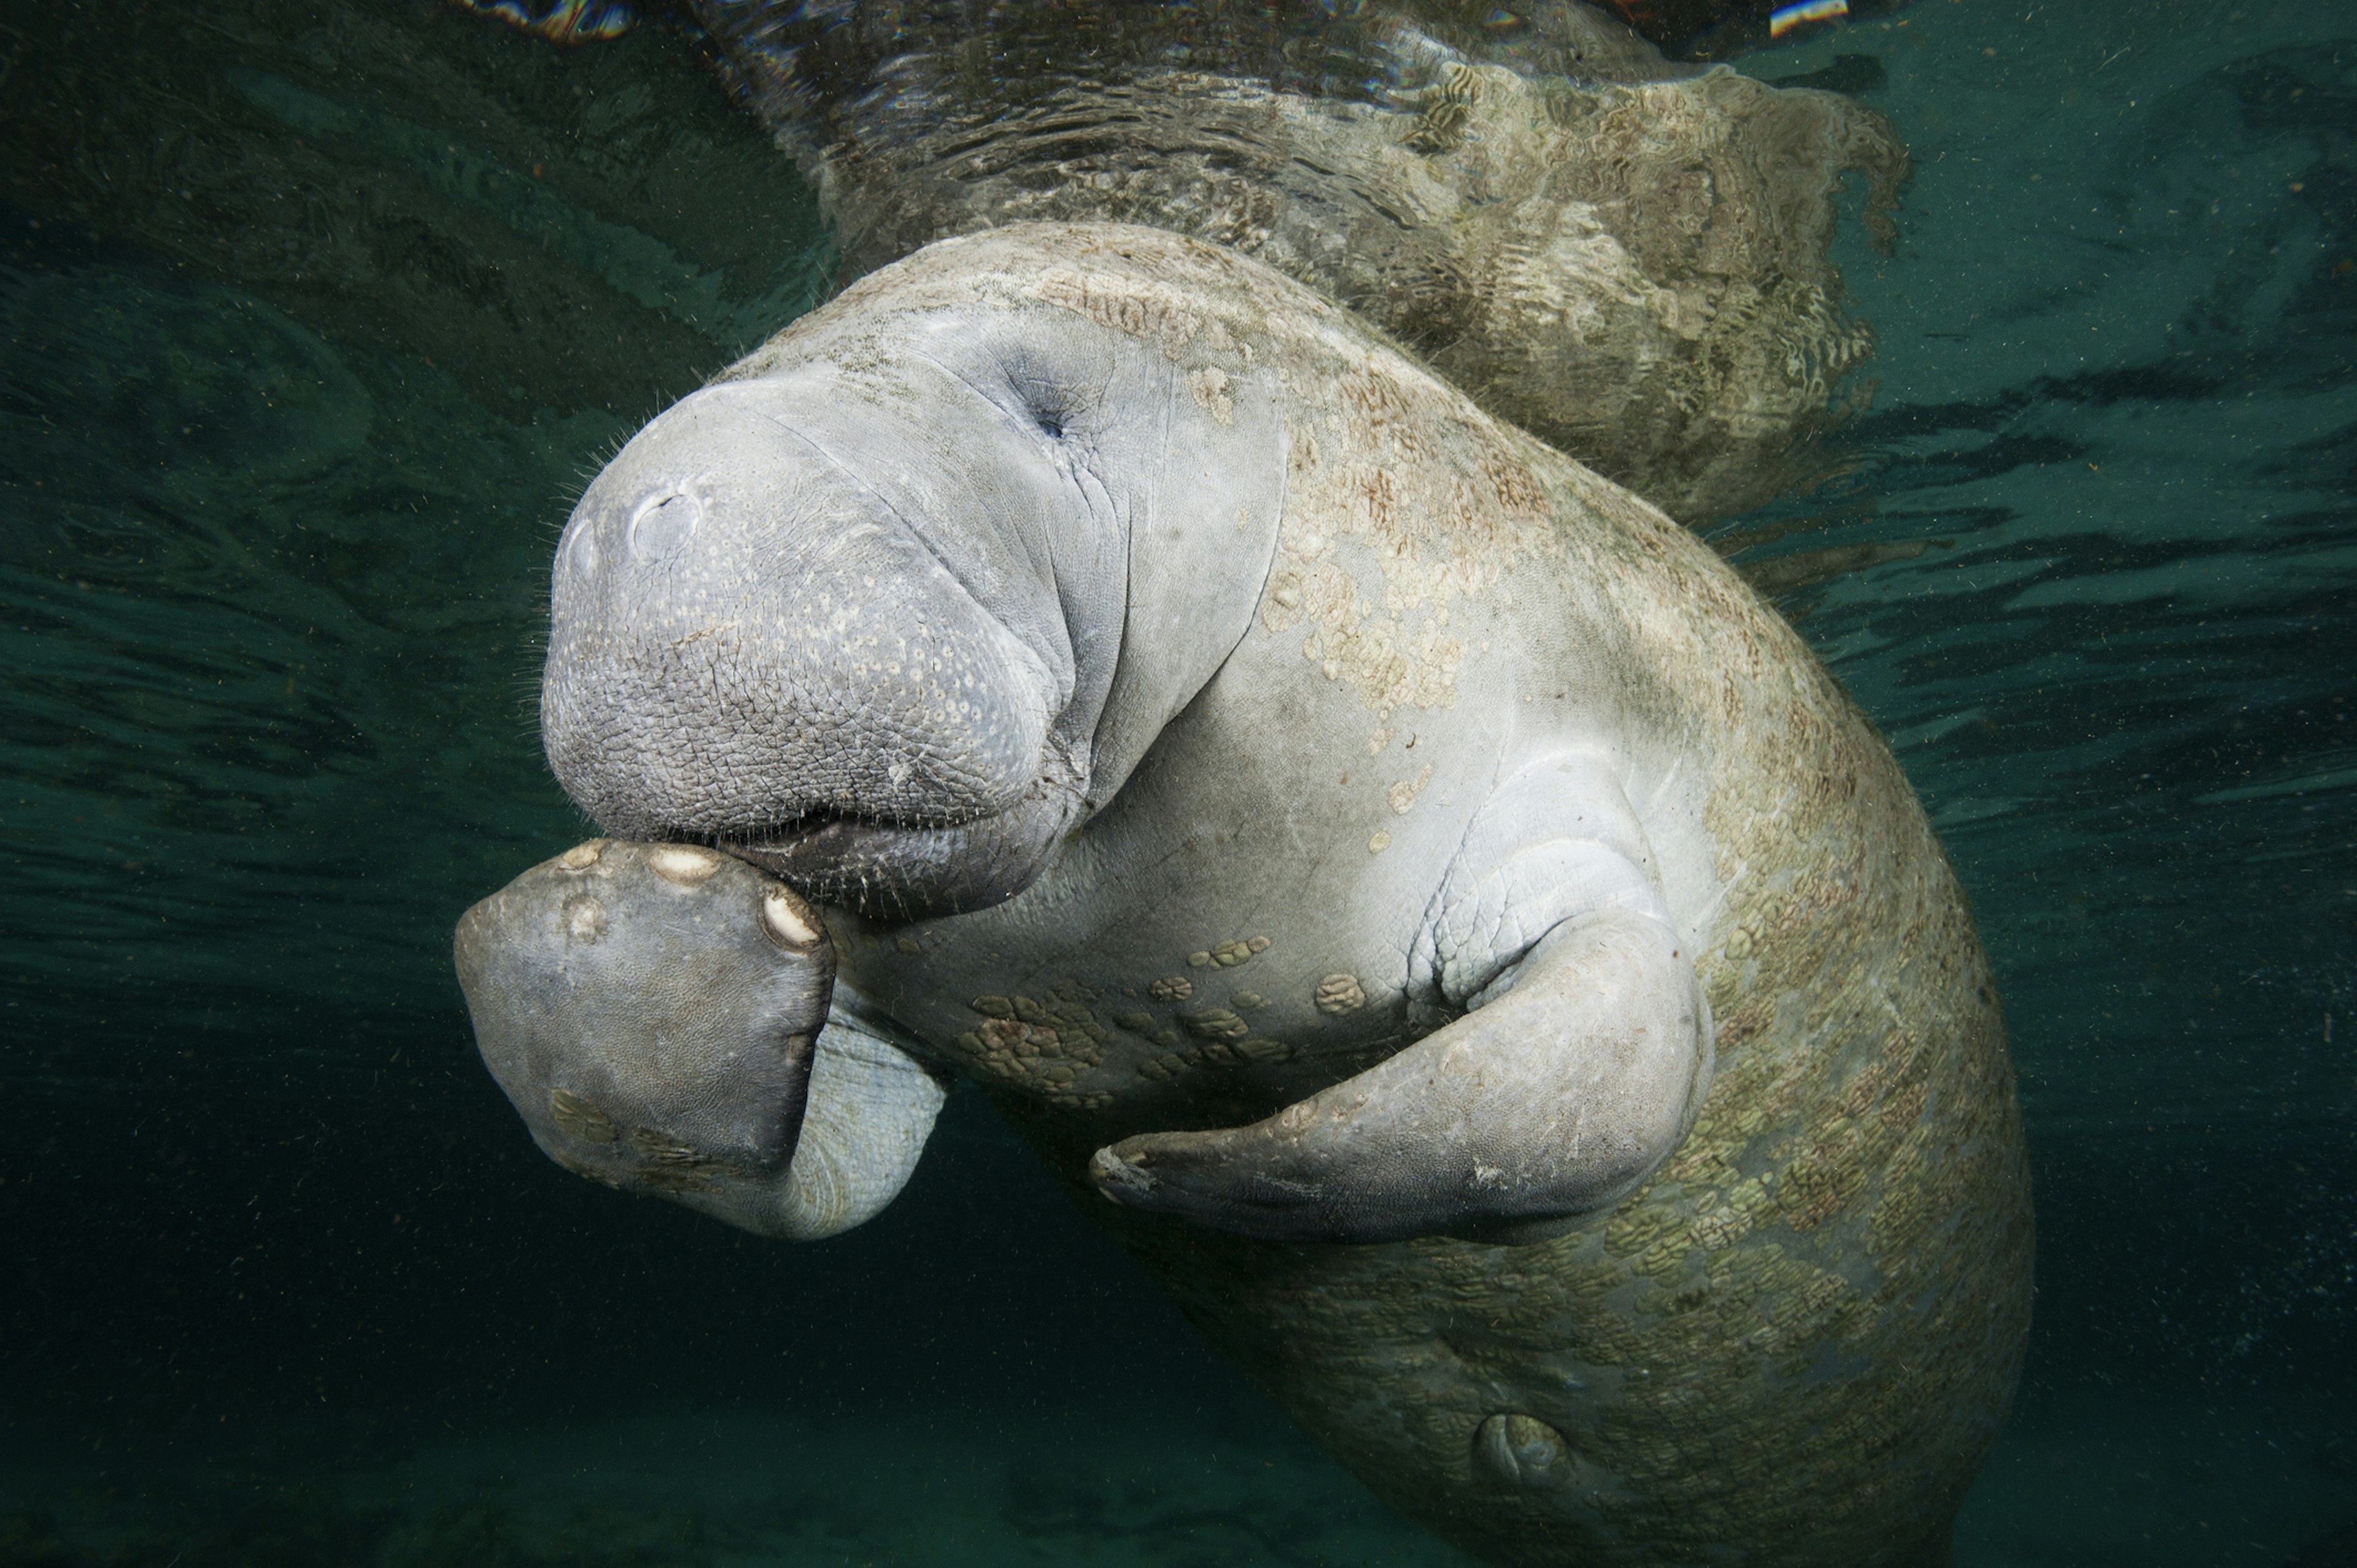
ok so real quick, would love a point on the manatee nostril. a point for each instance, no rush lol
(662, 523)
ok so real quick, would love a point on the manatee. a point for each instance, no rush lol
(1456, 935)
(1628, 257)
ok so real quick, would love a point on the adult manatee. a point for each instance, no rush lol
(1508, 992)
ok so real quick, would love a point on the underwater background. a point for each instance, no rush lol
(317, 316)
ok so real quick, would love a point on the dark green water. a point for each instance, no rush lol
(315, 318)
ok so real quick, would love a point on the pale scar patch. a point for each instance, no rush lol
(1390, 472)
(1340, 993)
(1401, 795)
(1047, 1046)
(1209, 386)
(1248, 1050)
(1228, 955)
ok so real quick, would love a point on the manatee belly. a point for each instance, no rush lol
(1797, 1342)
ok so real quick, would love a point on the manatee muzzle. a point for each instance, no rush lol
(751, 647)
(652, 1012)
(892, 872)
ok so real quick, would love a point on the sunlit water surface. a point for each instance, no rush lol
(314, 322)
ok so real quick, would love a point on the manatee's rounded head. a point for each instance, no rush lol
(832, 634)
(652, 1012)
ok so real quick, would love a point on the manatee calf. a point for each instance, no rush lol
(1507, 992)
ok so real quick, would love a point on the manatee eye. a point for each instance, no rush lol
(1046, 404)
(662, 523)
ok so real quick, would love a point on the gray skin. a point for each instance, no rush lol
(1505, 991)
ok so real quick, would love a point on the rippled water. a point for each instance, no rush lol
(315, 318)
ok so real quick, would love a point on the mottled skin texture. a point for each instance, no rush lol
(1795, 1340)
(1802, 1334)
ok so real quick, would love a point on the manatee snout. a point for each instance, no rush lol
(651, 1011)
(874, 706)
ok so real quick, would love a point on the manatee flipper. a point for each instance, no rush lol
(1585, 1052)
(872, 1106)
(659, 1016)
(1553, 1099)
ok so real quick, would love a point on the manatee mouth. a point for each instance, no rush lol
(893, 872)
